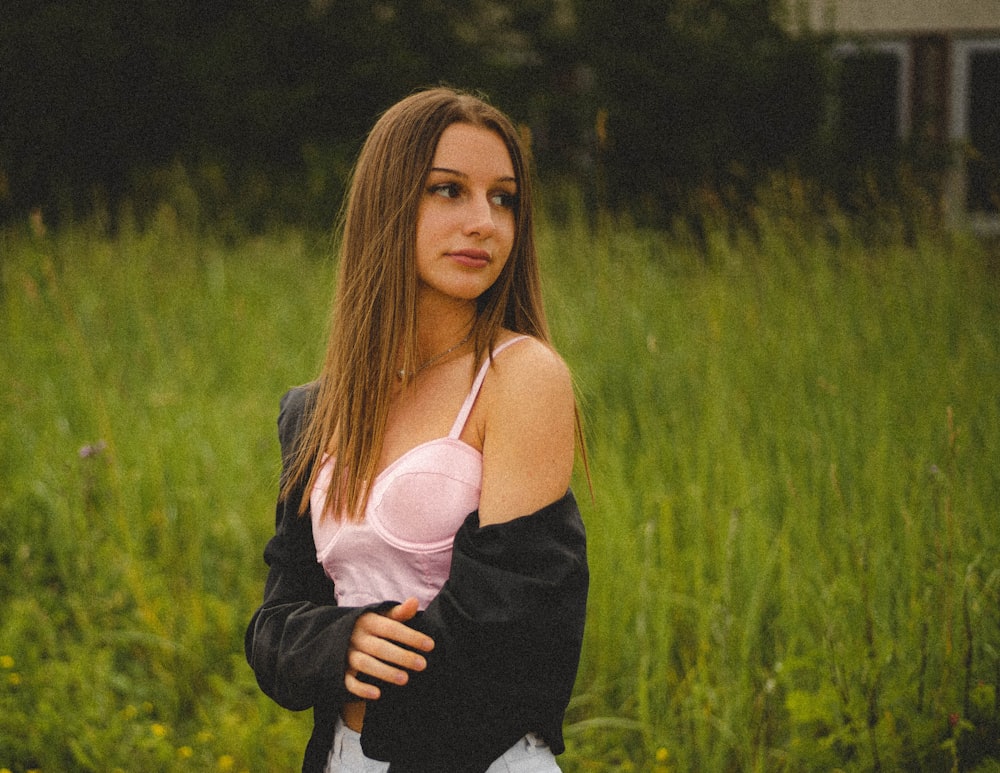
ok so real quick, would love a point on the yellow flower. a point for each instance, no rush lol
(185, 752)
(662, 755)
(204, 736)
(158, 730)
(14, 678)
(226, 762)
(6, 661)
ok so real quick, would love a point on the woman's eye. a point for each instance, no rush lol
(446, 190)
(504, 199)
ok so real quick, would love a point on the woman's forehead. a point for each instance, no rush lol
(466, 149)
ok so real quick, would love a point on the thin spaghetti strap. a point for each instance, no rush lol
(470, 400)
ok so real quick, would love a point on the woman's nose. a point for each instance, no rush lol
(480, 216)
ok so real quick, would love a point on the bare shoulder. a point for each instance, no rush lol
(529, 442)
(530, 370)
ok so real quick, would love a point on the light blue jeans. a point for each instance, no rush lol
(529, 755)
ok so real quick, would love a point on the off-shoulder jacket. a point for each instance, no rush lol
(507, 626)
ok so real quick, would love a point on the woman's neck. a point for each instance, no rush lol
(441, 325)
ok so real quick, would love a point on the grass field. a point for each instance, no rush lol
(794, 533)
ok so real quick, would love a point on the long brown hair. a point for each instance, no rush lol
(375, 306)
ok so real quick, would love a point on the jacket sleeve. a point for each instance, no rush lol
(296, 642)
(508, 628)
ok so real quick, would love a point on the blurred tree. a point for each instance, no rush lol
(698, 93)
(85, 94)
(95, 89)
(653, 96)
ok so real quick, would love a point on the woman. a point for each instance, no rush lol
(427, 578)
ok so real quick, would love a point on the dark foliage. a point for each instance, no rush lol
(641, 103)
(700, 93)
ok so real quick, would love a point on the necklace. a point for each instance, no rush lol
(401, 373)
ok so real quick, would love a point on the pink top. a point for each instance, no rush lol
(403, 546)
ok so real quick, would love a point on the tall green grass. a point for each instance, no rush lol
(138, 457)
(795, 438)
(793, 431)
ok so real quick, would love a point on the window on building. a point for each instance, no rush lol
(983, 127)
(871, 94)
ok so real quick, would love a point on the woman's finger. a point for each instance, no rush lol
(390, 628)
(384, 650)
(363, 690)
(405, 611)
(362, 663)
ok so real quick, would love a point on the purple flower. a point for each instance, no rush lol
(92, 449)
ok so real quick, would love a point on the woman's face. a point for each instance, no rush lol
(465, 221)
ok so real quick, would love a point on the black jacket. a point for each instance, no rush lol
(507, 627)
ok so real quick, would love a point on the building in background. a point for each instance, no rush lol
(927, 73)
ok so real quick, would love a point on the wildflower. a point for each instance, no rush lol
(185, 752)
(158, 730)
(14, 678)
(6, 662)
(204, 736)
(662, 755)
(226, 762)
(92, 449)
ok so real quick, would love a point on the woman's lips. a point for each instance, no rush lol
(471, 258)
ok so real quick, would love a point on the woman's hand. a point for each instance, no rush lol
(375, 650)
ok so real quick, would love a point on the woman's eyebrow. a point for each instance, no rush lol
(446, 170)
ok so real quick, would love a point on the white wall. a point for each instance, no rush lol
(895, 17)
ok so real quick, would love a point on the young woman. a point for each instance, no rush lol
(427, 579)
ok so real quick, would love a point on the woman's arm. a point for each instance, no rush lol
(528, 433)
(508, 623)
(303, 648)
(297, 640)
(508, 628)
